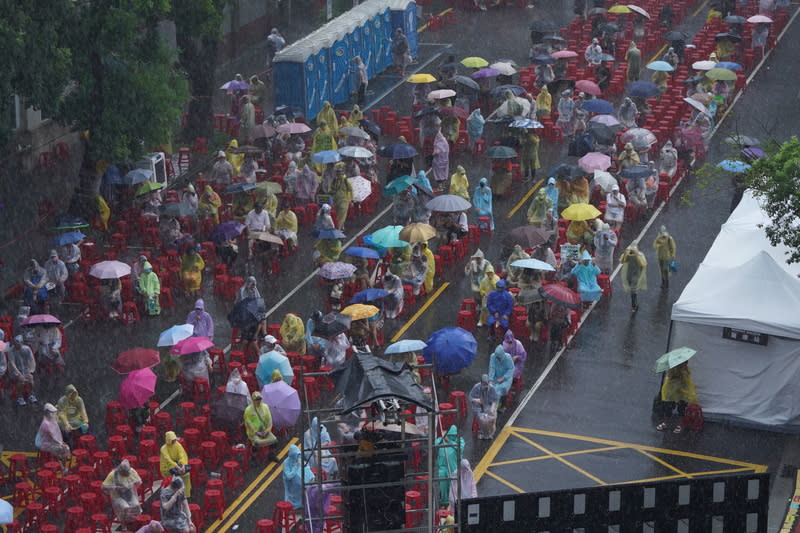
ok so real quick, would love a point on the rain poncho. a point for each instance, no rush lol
(35, 280)
(475, 123)
(328, 115)
(286, 225)
(306, 185)
(501, 371)
(668, 160)
(120, 484)
(328, 250)
(323, 140)
(628, 157)
(586, 273)
(195, 365)
(258, 419)
(483, 400)
(665, 251)
(201, 320)
(544, 102)
(150, 287)
(393, 303)
(441, 158)
(342, 196)
(430, 273)
(578, 232)
(634, 58)
(315, 439)
(518, 354)
(566, 112)
(634, 270)
(529, 154)
(517, 254)
(233, 158)
(626, 114)
(552, 192)
(324, 219)
(293, 333)
(209, 204)
(48, 438)
(423, 183)
(174, 516)
(605, 241)
(290, 178)
(71, 411)
(499, 302)
(482, 200)
(415, 270)
(538, 208)
(192, 266)
(173, 454)
(475, 270)
(447, 461)
(468, 489)
(678, 386)
(459, 183)
(292, 482)
(615, 206)
(235, 385)
(488, 283)
(248, 290)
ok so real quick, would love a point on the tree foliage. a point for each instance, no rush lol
(775, 179)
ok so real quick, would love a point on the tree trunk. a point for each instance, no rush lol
(198, 58)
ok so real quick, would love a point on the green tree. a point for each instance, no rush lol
(775, 180)
(197, 32)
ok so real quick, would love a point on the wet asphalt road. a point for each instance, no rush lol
(601, 388)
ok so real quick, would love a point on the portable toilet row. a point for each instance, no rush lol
(320, 67)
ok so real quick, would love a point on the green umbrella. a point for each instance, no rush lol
(148, 186)
(501, 152)
(268, 187)
(398, 185)
(721, 74)
(389, 237)
(673, 359)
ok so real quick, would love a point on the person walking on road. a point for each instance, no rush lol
(666, 250)
(634, 273)
(677, 392)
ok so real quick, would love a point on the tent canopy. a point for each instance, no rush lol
(744, 282)
(365, 379)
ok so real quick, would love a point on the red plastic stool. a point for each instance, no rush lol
(163, 422)
(214, 503)
(232, 474)
(18, 467)
(240, 454)
(187, 411)
(201, 391)
(191, 439)
(221, 438)
(148, 433)
(101, 522)
(283, 516)
(142, 520)
(47, 478)
(155, 509)
(484, 225)
(605, 283)
(90, 502)
(265, 526)
(466, 320)
(35, 516)
(198, 472)
(147, 448)
(116, 447)
(447, 255)
(414, 503)
(202, 423)
(102, 462)
(209, 453)
(46, 528)
(52, 499)
(198, 516)
(448, 419)
(311, 390)
(75, 519)
(24, 493)
(88, 442)
(459, 400)
(663, 191)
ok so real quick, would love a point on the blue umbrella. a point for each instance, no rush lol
(273, 361)
(642, 89)
(397, 151)
(68, 238)
(112, 176)
(398, 185)
(450, 349)
(637, 171)
(661, 66)
(239, 187)
(730, 65)
(389, 237)
(526, 123)
(137, 175)
(327, 233)
(226, 231)
(368, 295)
(598, 105)
(175, 334)
(405, 346)
(564, 171)
(326, 156)
(732, 165)
(543, 59)
(6, 512)
(366, 253)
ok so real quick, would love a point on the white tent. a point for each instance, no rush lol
(744, 284)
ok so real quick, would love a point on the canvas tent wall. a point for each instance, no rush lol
(319, 67)
(739, 312)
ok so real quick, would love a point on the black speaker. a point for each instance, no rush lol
(379, 508)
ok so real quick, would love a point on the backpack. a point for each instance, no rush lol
(693, 417)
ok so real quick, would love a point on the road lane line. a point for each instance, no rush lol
(505, 482)
(250, 488)
(420, 311)
(483, 465)
(699, 9)
(665, 464)
(562, 454)
(525, 198)
(255, 495)
(560, 459)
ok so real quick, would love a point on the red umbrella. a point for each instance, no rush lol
(137, 388)
(455, 111)
(135, 359)
(40, 319)
(589, 87)
(192, 345)
(560, 294)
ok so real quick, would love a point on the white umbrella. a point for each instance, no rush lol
(639, 10)
(697, 105)
(533, 264)
(361, 188)
(506, 69)
(358, 152)
(352, 131)
(704, 65)
(605, 180)
(109, 270)
(441, 93)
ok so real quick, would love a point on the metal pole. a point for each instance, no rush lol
(431, 431)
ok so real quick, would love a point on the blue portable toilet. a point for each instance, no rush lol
(404, 16)
(294, 77)
(340, 70)
(322, 85)
(386, 35)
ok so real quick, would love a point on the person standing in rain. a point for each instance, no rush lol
(539, 206)
(634, 273)
(482, 201)
(295, 474)
(633, 57)
(666, 249)
(677, 392)
(450, 448)
(475, 270)
(516, 350)
(529, 154)
(441, 160)
(605, 241)
(615, 207)
(626, 113)
(566, 112)
(275, 43)
(201, 320)
(483, 400)
(401, 53)
(544, 103)
(475, 124)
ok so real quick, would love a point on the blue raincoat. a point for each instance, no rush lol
(292, 482)
(501, 302)
(447, 461)
(552, 192)
(501, 366)
(482, 200)
(588, 288)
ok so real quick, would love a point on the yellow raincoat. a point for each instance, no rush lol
(192, 267)
(234, 159)
(678, 386)
(490, 279)
(293, 334)
(209, 204)
(431, 272)
(342, 196)
(544, 102)
(328, 116)
(459, 183)
(172, 454)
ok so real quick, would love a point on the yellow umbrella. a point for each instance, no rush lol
(418, 232)
(360, 311)
(580, 212)
(474, 62)
(420, 78)
(721, 74)
(620, 9)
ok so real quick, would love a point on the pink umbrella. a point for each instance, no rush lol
(594, 161)
(564, 54)
(608, 120)
(293, 127)
(283, 402)
(40, 319)
(137, 388)
(589, 87)
(262, 131)
(191, 345)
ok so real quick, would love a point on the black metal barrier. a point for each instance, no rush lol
(728, 503)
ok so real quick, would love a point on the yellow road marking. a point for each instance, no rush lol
(525, 198)
(565, 454)
(560, 459)
(665, 464)
(420, 311)
(425, 26)
(251, 487)
(678, 476)
(699, 9)
(491, 453)
(657, 54)
(505, 482)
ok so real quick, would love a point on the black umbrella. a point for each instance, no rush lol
(226, 413)
(542, 26)
(608, 27)
(449, 68)
(176, 209)
(370, 127)
(555, 40)
(69, 222)
(466, 82)
(734, 19)
(429, 110)
(601, 133)
(555, 87)
(642, 89)
(543, 59)
(597, 11)
(331, 325)
(564, 171)
(247, 313)
(692, 79)
(500, 90)
(675, 35)
(728, 36)
(637, 171)
(526, 236)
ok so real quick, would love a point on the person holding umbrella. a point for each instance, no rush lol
(634, 273)
(677, 392)
(258, 425)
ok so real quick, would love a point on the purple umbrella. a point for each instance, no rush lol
(486, 73)
(226, 231)
(594, 161)
(137, 388)
(608, 120)
(336, 270)
(283, 402)
(40, 319)
(235, 85)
